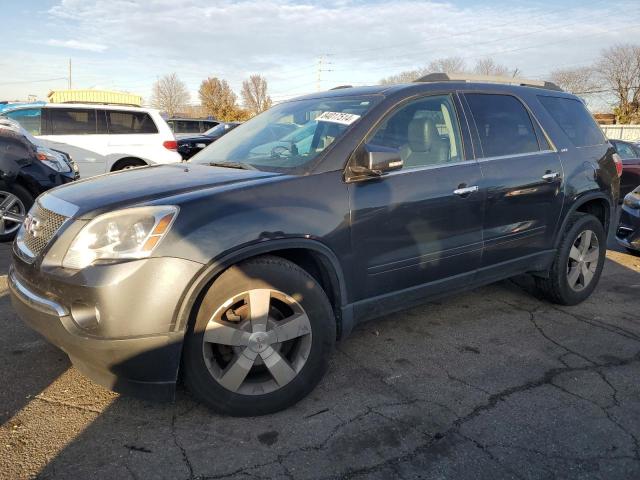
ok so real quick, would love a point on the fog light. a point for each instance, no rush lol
(87, 317)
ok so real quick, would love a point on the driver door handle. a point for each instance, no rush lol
(550, 176)
(465, 190)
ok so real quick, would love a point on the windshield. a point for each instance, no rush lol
(287, 136)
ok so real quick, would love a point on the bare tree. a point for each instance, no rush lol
(404, 77)
(218, 100)
(254, 94)
(170, 94)
(447, 65)
(619, 71)
(488, 66)
(579, 81)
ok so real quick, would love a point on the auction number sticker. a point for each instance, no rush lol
(338, 117)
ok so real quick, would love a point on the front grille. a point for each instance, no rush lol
(44, 225)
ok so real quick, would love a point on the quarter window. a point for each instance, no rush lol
(72, 121)
(574, 120)
(123, 122)
(504, 125)
(29, 118)
(425, 131)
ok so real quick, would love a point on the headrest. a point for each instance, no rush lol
(423, 134)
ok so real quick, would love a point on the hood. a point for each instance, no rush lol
(129, 187)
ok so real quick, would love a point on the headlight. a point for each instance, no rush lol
(52, 160)
(632, 200)
(128, 233)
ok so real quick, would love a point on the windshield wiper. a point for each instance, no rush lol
(239, 165)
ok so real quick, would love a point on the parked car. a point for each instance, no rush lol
(181, 126)
(240, 273)
(26, 170)
(630, 154)
(101, 138)
(188, 146)
(628, 232)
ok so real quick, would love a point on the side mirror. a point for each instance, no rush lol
(376, 160)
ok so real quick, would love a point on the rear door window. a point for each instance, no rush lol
(575, 121)
(29, 118)
(72, 121)
(625, 151)
(123, 122)
(503, 123)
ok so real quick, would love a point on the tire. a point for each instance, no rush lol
(24, 202)
(559, 286)
(215, 357)
(129, 163)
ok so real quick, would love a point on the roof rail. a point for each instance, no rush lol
(463, 77)
(341, 87)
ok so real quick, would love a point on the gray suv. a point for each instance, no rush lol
(238, 270)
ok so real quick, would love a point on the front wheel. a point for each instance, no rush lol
(578, 263)
(261, 338)
(14, 205)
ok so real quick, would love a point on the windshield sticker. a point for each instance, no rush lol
(338, 117)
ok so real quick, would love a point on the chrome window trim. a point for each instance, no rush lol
(421, 168)
(36, 301)
(516, 155)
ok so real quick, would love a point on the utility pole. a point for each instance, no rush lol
(321, 62)
(69, 74)
(319, 79)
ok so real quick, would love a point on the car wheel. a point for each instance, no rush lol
(578, 263)
(14, 205)
(129, 164)
(261, 338)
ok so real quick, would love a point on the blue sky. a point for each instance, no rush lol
(127, 44)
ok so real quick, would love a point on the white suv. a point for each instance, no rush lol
(101, 138)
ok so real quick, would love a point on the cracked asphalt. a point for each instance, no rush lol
(488, 384)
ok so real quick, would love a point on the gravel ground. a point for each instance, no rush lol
(488, 384)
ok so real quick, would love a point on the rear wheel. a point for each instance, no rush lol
(14, 205)
(578, 263)
(261, 338)
(128, 164)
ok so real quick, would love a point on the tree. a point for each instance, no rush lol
(579, 81)
(487, 66)
(254, 94)
(619, 71)
(447, 65)
(170, 94)
(218, 100)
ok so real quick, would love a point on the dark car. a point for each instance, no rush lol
(240, 269)
(181, 126)
(190, 145)
(628, 232)
(26, 170)
(630, 154)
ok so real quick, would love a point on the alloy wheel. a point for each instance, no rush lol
(12, 213)
(257, 342)
(583, 260)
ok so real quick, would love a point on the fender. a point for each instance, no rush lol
(576, 205)
(218, 265)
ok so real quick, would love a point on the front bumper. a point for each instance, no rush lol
(628, 231)
(136, 354)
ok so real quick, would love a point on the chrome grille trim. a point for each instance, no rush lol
(48, 214)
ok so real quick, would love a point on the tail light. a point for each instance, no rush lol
(618, 161)
(170, 145)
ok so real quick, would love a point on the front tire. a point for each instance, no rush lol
(14, 205)
(261, 338)
(578, 263)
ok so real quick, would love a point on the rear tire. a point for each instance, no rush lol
(578, 262)
(128, 164)
(261, 339)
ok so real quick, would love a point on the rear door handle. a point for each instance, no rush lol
(550, 176)
(465, 190)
